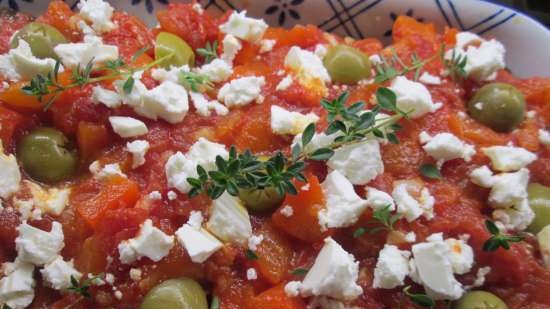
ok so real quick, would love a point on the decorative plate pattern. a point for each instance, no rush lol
(363, 18)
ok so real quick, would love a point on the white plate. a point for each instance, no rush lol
(526, 40)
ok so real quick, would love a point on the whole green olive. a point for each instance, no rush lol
(182, 293)
(479, 300)
(47, 155)
(42, 38)
(346, 64)
(261, 200)
(499, 106)
(168, 43)
(539, 200)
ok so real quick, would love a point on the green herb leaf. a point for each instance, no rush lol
(83, 288)
(128, 85)
(421, 300)
(359, 232)
(498, 239)
(194, 81)
(209, 52)
(321, 154)
(386, 98)
(307, 136)
(251, 255)
(215, 303)
(300, 271)
(430, 171)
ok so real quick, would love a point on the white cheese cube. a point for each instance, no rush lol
(128, 126)
(482, 176)
(410, 207)
(99, 13)
(461, 255)
(205, 106)
(150, 242)
(267, 45)
(509, 159)
(284, 83)
(518, 217)
(26, 64)
(413, 97)
(377, 199)
(292, 289)
(37, 246)
(241, 91)
(138, 149)
(333, 274)
(360, 162)
(544, 135)
(179, 167)
(254, 241)
(243, 27)
(231, 47)
(251, 274)
(509, 189)
(319, 140)
(57, 274)
(17, 287)
(172, 74)
(199, 243)
(217, 70)
(543, 238)
(306, 65)
(52, 200)
(320, 50)
(107, 171)
(429, 79)
(10, 176)
(391, 268)
(107, 97)
(229, 220)
(286, 122)
(435, 270)
(343, 205)
(446, 146)
(167, 101)
(7, 68)
(74, 54)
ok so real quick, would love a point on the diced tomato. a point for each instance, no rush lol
(9, 122)
(274, 255)
(474, 132)
(11, 22)
(196, 29)
(370, 46)
(117, 192)
(91, 138)
(527, 135)
(405, 27)
(60, 16)
(130, 35)
(15, 98)
(304, 223)
(235, 294)
(303, 36)
(276, 298)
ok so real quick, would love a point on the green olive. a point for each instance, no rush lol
(42, 38)
(346, 64)
(168, 43)
(183, 293)
(261, 200)
(47, 155)
(499, 106)
(539, 200)
(479, 300)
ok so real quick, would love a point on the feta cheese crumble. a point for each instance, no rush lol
(429, 79)
(198, 242)
(306, 65)
(251, 274)
(231, 47)
(508, 158)
(138, 149)
(229, 220)
(241, 91)
(57, 274)
(287, 211)
(99, 13)
(391, 268)
(49, 200)
(107, 97)
(205, 106)
(26, 64)
(74, 54)
(10, 176)
(267, 45)
(413, 97)
(286, 122)
(360, 162)
(37, 246)
(544, 137)
(150, 242)
(243, 27)
(412, 207)
(17, 287)
(445, 147)
(217, 70)
(284, 83)
(377, 199)
(127, 126)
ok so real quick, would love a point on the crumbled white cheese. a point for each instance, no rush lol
(429, 79)
(107, 171)
(10, 176)
(172, 74)
(135, 274)
(446, 146)
(107, 97)
(195, 219)
(343, 205)
(391, 268)
(49, 200)
(229, 220)
(197, 8)
(251, 274)
(544, 137)
(99, 13)
(287, 211)
(360, 162)
(198, 242)
(204, 106)
(461, 255)
(118, 294)
(171, 195)
(231, 47)
(410, 237)
(74, 54)
(17, 287)
(150, 242)
(508, 158)
(377, 199)
(284, 83)
(168, 101)
(413, 97)
(241, 91)
(483, 61)
(375, 59)
(410, 207)
(7, 69)
(286, 122)
(138, 149)
(155, 196)
(179, 167)
(320, 50)
(254, 241)
(292, 289)
(319, 140)
(26, 64)
(517, 217)
(128, 126)
(38, 246)
(482, 176)
(509, 189)
(243, 27)
(543, 238)
(217, 70)
(306, 65)
(57, 274)
(267, 45)
(333, 274)
(480, 277)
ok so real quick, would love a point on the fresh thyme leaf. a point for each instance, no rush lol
(209, 51)
(308, 134)
(140, 52)
(300, 271)
(82, 288)
(388, 68)
(359, 232)
(128, 85)
(382, 219)
(498, 239)
(430, 171)
(194, 81)
(251, 255)
(386, 99)
(215, 304)
(114, 65)
(81, 76)
(321, 154)
(456, 65)
(421, 300)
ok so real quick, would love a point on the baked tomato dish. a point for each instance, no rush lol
(216, 162)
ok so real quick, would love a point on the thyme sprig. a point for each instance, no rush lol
(195, 82)
(348, 124)
(419, 299)
(456, 65)
(82, 288)
(47, 88)
(389, 67)
(498, 239)
(382, 219)
(209, 51)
